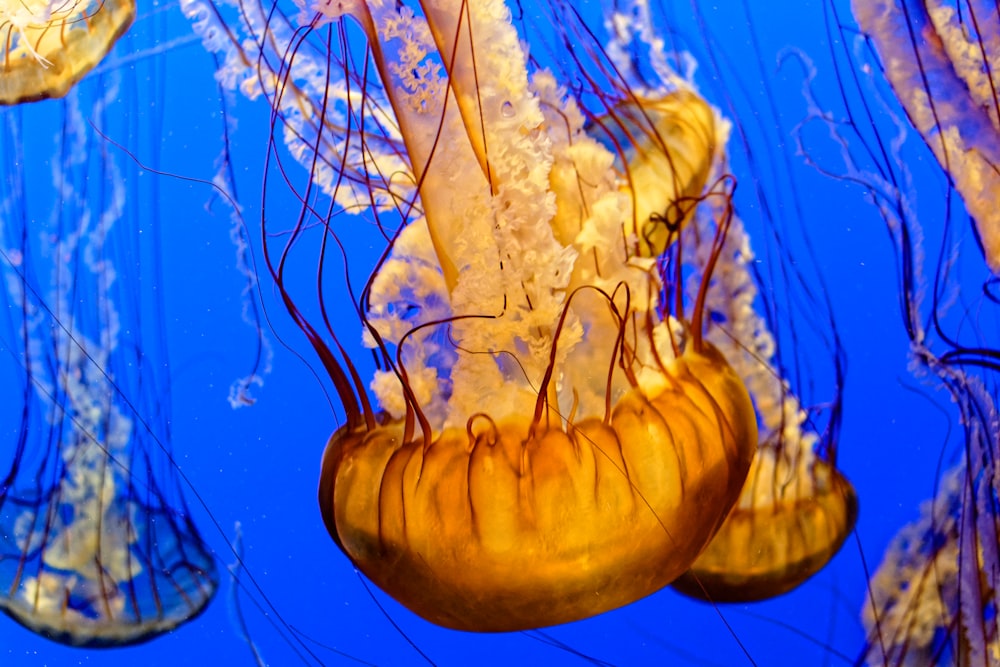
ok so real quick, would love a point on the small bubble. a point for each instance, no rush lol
(507, 110)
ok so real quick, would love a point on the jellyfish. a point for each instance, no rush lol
(941, 60)
(49, 45)
(554, 436)
(98, 547)
(796, 508)
(334, 115)
(933, 597)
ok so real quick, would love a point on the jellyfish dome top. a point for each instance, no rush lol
(556, 438)
(49, 45)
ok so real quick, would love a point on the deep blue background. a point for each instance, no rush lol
(259, 465)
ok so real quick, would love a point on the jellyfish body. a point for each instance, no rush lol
(942, 63)
(552, 444)
(97, 547)
(796, 508)
(512, 525)
(93, 567)
(49, 45)
(784, 529)
(598, 480)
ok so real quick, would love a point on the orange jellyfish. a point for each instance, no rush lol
(49, 45)
(796, 508)
(555, 437)
(97, 546)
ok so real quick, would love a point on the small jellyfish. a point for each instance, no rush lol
(49, 45)
(97, 546)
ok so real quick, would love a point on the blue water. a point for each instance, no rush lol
(258, 465)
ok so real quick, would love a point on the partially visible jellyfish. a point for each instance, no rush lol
(555, 437)
(49, 45)
(97, 545)
(943, 62)
(796, 508)
(934, 598)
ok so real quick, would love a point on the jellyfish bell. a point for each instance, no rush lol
(93, 579)
(49, 45)
(668, 147)
(506, 525)
(785, 528)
